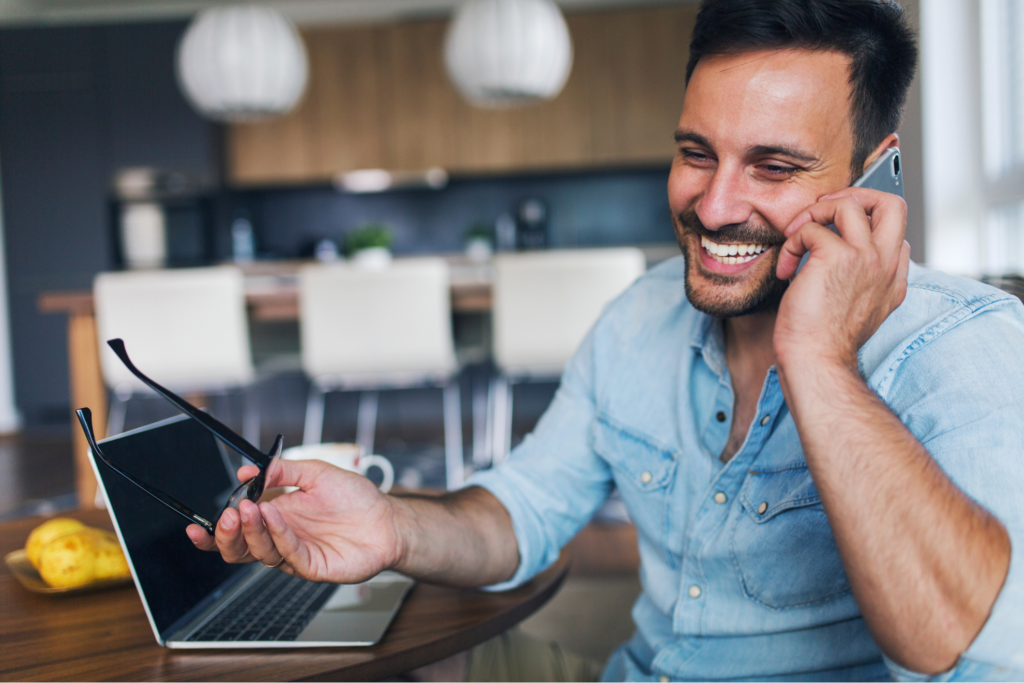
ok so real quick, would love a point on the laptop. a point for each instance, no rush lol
(193, 598)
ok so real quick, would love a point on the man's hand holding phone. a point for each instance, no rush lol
(852, 281)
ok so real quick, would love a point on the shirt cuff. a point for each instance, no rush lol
(965, 669)
(997, 653)
(534, 557)
(1000, 639)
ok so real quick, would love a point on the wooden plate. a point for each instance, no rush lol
(19, 565)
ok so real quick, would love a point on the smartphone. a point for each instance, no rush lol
(886, 174)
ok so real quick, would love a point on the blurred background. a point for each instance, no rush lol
(149, 135)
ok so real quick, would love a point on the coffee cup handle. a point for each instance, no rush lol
(368, 461)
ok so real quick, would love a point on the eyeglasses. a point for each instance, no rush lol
(249, 490)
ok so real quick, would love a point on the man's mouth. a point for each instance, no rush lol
(732, 254)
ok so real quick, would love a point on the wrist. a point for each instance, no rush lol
(402, 519)
(813, 381)
(807, 362)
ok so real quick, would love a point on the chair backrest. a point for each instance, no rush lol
(376, 325)
(544, 303)
(187, 328)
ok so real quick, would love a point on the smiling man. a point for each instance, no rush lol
(825, 469)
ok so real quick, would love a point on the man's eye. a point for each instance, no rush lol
(695, 155)
(777, 170)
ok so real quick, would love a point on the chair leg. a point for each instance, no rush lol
(453, 458)
(366, 424)
(506, 446)
(314, 428)
(481, 423)
(251, 415)
(118, 412)
(501, 417)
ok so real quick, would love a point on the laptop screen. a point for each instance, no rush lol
(183, 459)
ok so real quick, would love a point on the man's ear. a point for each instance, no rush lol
(891, 140)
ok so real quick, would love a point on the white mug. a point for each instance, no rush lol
(347, 456)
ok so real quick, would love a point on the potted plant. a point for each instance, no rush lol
(479, 243)
(370, 245)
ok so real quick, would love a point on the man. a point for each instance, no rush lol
(824, 468)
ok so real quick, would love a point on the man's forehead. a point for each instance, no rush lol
(789, 98)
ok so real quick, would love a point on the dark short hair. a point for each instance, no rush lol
(874, 34)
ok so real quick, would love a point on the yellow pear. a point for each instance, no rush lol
(46, 532)
(110, 560)
(70, 560)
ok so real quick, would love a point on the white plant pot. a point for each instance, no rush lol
(373, 258)
(479, 250)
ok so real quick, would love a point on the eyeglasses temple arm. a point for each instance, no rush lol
(219, 429)
(85, 418)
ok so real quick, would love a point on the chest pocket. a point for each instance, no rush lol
(782, 544)
(644, 471)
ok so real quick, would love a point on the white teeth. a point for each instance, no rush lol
(732, 253)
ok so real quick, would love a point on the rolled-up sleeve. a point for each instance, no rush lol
(969, 415)
(553, 482)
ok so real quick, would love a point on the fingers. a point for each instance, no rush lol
(202, 540)
(809, 236)
(305, 474)
(846, 213)
(230, 541)
(287, 543)
(902, 272)
(261, 545)
(868, 220)
(247, 472)
(887, 212)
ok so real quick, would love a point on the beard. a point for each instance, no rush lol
(720, 300)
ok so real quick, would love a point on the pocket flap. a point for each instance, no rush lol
(766, 494)
(648, 464)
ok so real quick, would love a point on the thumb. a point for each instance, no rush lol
(301, 473)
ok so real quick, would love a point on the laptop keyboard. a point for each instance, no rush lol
(275, 607)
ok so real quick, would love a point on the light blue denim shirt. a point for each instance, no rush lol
(740, 572)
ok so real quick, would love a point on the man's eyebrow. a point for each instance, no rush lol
(782, 150)
(690, 136)
(760, 150)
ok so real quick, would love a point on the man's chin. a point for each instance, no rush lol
(732, 296)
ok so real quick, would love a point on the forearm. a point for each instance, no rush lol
(924, 561)
(461, 539)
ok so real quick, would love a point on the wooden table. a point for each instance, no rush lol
(105, 636)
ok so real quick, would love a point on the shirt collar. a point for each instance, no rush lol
(707, 339)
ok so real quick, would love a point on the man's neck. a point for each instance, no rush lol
(749, 354)
(748, 341)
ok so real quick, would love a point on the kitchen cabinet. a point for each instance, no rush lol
(379, 97)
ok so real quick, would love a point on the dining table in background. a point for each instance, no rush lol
(271, 293)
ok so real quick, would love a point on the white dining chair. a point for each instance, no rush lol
(185, 328)
(386, 328)
(543, 305)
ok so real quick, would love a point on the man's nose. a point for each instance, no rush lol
(725, 200)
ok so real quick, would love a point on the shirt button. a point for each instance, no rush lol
(646, 477)
(694, 592)
(762, 508)
(720, 498)
(765, 420)
(720, 416)
(664, 679)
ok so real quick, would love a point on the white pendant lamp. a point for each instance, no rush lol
(505, 53)
(241, 63)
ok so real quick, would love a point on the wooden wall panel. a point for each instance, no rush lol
(379, 97)
(348, 110)
(421, 103)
